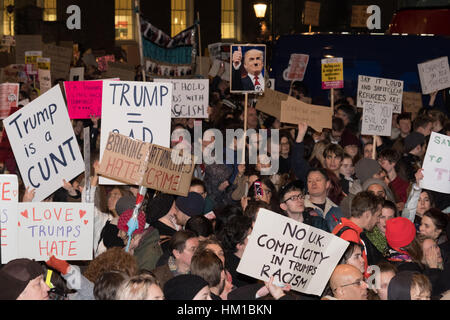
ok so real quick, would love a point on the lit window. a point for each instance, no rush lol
(178, 16)
(228, 19)
(8, 19)
(50, 10)
(124, 20)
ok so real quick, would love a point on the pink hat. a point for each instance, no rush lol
(126, 216)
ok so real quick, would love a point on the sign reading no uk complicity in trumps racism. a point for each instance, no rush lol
(139, 110)
(293, 253)
(44, 144)
(436, 168)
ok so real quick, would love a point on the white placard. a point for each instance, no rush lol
(44, 143)
(294, 253)
(140, 110)
(76, 74)
(436, 164)
(380, 90)
(376, 119)
(45, 80)
(215, 69)
(9, 198)
(434, 75)
(190, 97)
(62, 229)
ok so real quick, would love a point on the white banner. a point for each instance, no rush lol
(434, 75)
(139, 110)
(44, 143)
(380, 90)
(294, 253)
(9, 198)
(436, 168)
(190, 97)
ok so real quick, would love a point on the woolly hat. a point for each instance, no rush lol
(15, 276)
(400, 232)
(400, 286)
(125, 203)
(387, 190)
(192, 205)
(184, 287)
(126, 216)
(366, 168)
(159, 206)
(413, 140)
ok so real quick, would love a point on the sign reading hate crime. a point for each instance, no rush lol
(190, 97)
(436, 170)
(9, 198)
(380, 90)
(293, 253)
(55, 228)
(44, 144)
(332, 73)
(434, 75)
(138, 163)
(139, 110)
(377, 119)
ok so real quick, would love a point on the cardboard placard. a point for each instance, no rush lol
(44, 143)
(293, 253)
(297, 67)
(312, 13)
(9, 97)
(138, 163)
(9, 198)
(62, 229)
(140, 110)
(60, 57)
(376, 119)
(359, 16)
(317, 117)
(434, 75)
(436, 171)
(380, 90)
(76, 74)
(190, 97)
(412, 102)
(332, 73)
(270, 102)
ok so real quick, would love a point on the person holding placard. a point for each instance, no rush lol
(411, 161)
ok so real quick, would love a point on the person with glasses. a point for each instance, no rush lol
(347, 283)
(292, 202)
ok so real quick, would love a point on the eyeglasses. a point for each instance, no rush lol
(296, 197)
(358, 282)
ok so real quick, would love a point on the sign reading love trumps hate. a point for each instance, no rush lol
(293, 253)
(436, 170)
(139, 110)
(44, 144)
(9, 198)
(55, 228)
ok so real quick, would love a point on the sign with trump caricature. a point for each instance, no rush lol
(247, 68)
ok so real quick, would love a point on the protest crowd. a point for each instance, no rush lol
(365, 189)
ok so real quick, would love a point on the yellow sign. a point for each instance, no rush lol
(332, 73)
(43, 63)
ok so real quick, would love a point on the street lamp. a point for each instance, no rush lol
(260, 9)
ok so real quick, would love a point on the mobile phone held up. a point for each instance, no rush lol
(258, 189)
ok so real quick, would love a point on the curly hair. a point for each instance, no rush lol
(112, 259)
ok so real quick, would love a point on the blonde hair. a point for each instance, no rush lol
(137, 287)
(422, 282)
(318, 150)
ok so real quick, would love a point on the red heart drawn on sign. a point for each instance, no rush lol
(18, 223)
(25, 213)
(86, 222)
(82, 213)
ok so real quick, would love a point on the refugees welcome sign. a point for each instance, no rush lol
(293, 253)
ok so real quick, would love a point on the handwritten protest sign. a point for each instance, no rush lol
(412, 102)
(61, 58)
(190, 98)
(297, 67)
(436, 170)
(270, 102)
(138, 163)
(317, 117)
(377, 119)
(76, 74)
(45, 80)
(312, 13)
(9, 96)
(293, 253)
(9, 198)
(434, 75)
(140, 110)
(380, 90)
(55, 228)
(84, 98)
(332, 73)
(44, 143)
